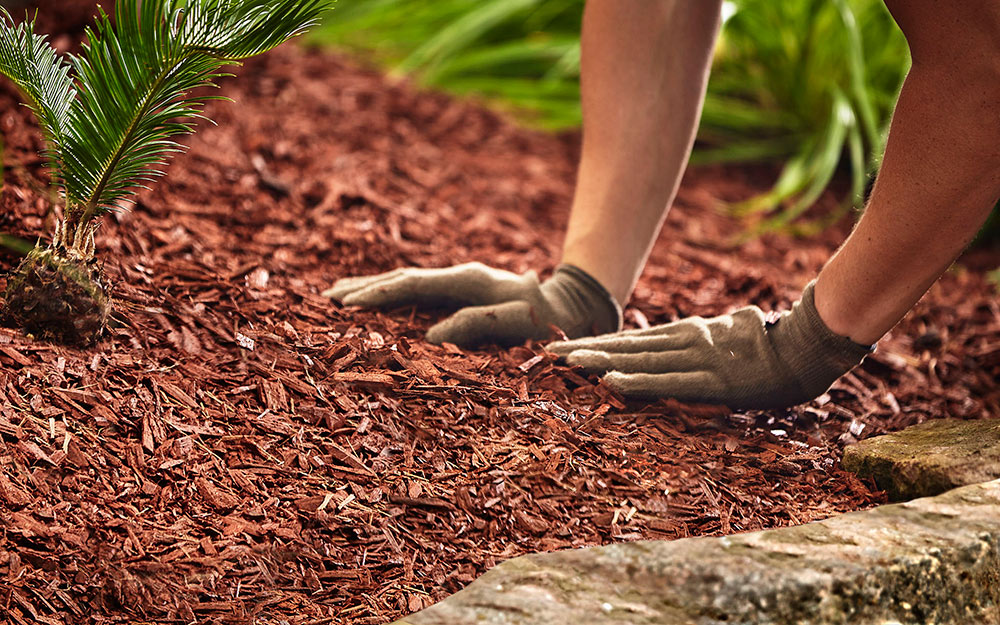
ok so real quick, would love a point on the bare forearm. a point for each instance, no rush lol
(645, 67)
(939, 180)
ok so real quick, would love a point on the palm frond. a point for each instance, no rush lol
(42, 76)
(136, 79)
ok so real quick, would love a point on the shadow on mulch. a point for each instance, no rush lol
(239, 449)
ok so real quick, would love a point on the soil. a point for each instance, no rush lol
(239, 449)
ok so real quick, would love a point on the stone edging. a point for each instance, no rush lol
(934, 560)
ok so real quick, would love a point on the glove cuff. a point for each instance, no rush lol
(816, 355)
(588, 299)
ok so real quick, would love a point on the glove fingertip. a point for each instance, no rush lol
(371, 297)
(440, 333)
(564, 348)
(351, 299)
(615, 379)
(589, 359)
(462, 329)
(340, 291)
(623, 383)
(558, 349)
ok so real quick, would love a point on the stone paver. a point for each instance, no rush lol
(930, 458)
(933, 560)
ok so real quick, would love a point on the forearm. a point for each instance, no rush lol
(940, 178)
(645, 68)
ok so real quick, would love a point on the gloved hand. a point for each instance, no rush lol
(739, 360)
(501, 307)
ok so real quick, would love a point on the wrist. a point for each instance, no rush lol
(815, 355)
(586, 306)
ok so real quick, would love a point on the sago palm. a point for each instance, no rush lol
(111, 117)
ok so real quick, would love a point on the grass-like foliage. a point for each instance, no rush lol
(111, 117)
(816, 82)
(519, 53)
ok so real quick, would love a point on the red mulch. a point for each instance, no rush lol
(240, 448)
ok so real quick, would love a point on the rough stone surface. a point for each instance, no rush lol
(930, 458)
(933, 560)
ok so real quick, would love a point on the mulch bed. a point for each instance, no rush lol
(239, 449)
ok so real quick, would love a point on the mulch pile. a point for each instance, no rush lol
(239, 449)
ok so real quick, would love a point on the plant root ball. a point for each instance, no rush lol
(59, 299)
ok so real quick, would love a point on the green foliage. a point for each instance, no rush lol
(15, 244)
(111, 115)
(43, 77)
(990, 232)
(811, 83)
(830, 71)
(524, 54)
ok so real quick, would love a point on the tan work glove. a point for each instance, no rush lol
(502, 307)
(739, 360)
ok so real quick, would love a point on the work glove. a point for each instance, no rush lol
(741, 360)
(500, 306)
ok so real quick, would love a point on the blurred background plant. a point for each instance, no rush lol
(809, 84)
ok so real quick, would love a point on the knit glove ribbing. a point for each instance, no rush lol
(500, 306)
(740, 360)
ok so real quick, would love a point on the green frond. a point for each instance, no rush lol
(42, 76)
(136, 78)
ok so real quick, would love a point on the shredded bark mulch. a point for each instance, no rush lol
(239, 449)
